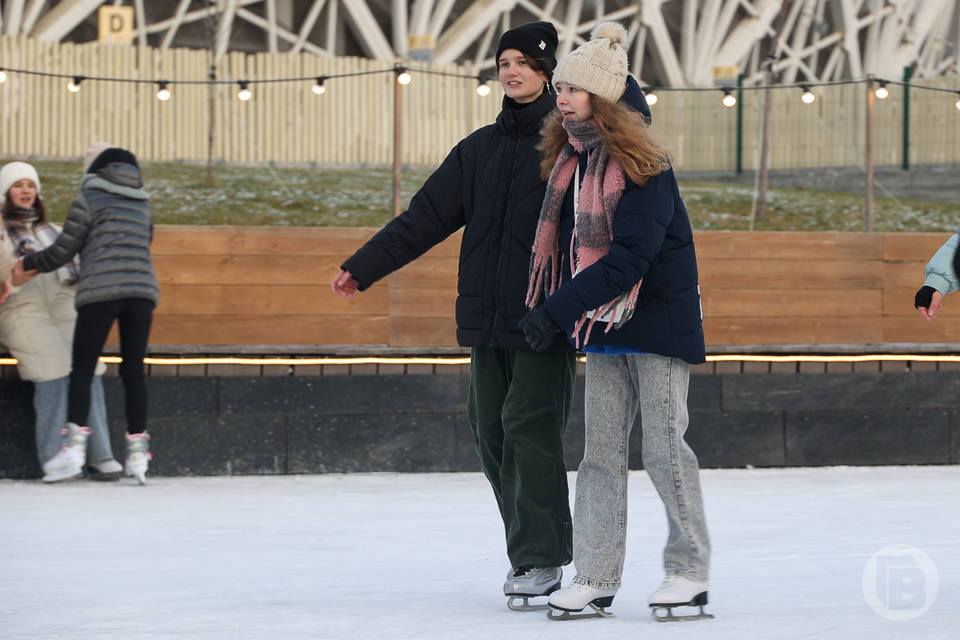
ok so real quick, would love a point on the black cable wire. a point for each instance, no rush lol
(396, 69)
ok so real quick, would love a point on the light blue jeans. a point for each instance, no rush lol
(50, 404)
(616, 387)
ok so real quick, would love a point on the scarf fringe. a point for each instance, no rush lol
(604, 184)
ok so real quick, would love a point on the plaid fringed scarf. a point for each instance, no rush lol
(24, 242)
(603, 185)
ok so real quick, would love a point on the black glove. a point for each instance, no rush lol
(538, 328)
(923, 298)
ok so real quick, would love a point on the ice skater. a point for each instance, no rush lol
(37, 325)
(109, 226)
(614, 268)
(941, 278)
(519, 400)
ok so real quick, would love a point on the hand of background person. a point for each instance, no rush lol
(928, 302)
(538, 328)
(344, 285)
(5, 289)
(21, 277)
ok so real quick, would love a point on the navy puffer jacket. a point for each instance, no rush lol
(652, 240)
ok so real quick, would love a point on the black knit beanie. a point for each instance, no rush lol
(113, 154)
(537, 40)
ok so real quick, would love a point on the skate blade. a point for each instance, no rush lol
(63, 476)
(562, 614)
(522, 603)
(658, 614)
(99, 476)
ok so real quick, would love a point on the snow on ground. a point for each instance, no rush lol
(384, 556)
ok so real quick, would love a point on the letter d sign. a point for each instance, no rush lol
(116, 24)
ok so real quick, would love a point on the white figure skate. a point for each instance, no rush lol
(568, 603)
(678, 591)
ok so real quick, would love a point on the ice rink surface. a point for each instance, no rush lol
(384, 556)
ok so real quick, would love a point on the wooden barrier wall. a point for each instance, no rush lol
(352, 122)
(270, 286)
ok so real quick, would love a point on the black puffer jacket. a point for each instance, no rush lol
(490, 184)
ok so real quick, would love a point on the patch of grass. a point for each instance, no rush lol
(363, 197)
(727, 207)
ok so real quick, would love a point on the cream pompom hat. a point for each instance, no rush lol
(598, 66)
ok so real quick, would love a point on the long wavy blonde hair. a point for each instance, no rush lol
(628, 138)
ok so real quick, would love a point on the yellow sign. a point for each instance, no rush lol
(421, 42)
(116, 25)
(725, 72)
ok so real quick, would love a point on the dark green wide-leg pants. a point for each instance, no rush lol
(519, 405)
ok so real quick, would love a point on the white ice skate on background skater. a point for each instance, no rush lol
(678, 591)
(524, 583)
(138, 456)
(68, 463)
(568, 603)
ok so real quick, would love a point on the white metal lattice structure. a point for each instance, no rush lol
(671, 42)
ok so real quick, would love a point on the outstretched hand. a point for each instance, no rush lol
(538, 328)
(928, 302)
(344, 285)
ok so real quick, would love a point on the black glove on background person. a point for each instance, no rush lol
(538, 328)
(956, 262)
(924, 297)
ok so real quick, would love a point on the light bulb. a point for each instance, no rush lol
(483, 89)
(244, 94)
(163, 94)
(404, 78)
(808, 97)
(650, 96)
(319, 89)
(881, 91)
(74, 85)
(729, 99)
(3, 76)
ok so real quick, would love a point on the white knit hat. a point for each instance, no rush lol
(14, 172)
(598, 66)
(92, 152)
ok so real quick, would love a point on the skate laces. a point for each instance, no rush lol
(671, 580)
(75, 436)
(519, 572)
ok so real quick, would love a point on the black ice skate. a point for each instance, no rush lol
(524, 583)
(678, 591)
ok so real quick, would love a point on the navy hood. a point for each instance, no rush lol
(633, 97)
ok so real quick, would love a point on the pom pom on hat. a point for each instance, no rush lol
(92, 152)
(612, 31)
(598, 66)
(14, 172)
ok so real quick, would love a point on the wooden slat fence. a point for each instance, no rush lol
(352, 122)
(258, 285)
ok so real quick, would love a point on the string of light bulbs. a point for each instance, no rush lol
(807, 96)
(244, 92)
(403, 76)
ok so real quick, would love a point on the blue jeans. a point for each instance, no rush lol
(616, 387)
(50, 404)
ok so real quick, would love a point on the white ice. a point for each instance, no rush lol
(385, 556)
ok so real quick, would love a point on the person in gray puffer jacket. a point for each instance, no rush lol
(109, 226)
